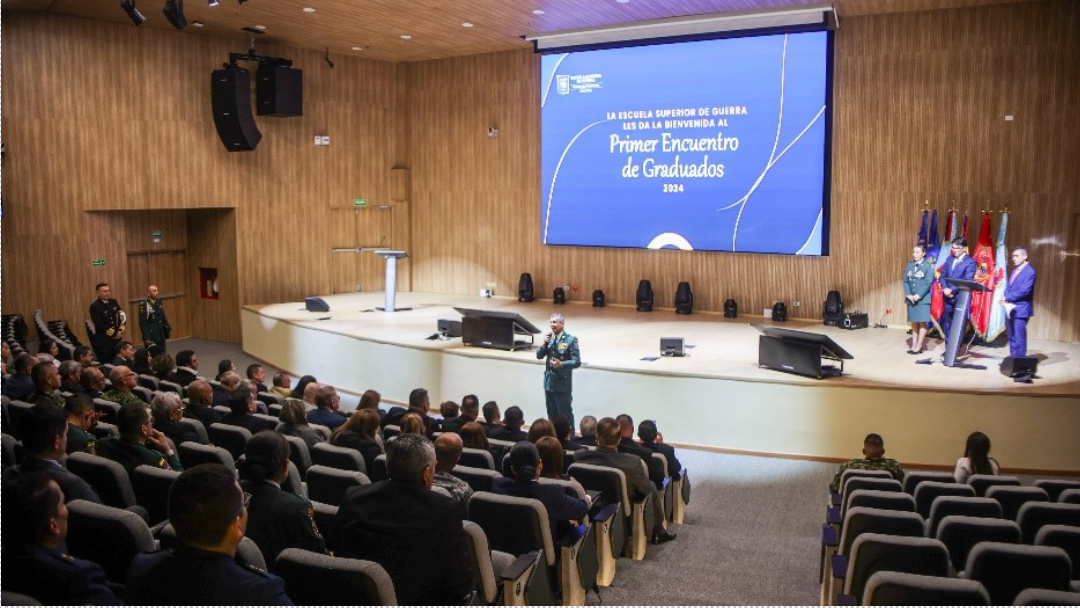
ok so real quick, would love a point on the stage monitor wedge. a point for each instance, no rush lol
(495, 329)
(799, 352)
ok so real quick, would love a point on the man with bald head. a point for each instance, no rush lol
(153, 324)
(123, 380)
(447, 454)
(92, 381)
(200, 403)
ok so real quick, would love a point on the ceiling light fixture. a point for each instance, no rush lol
(261, 28)
(309, 10)
(406, 37)
(211, 3)
(129, 7)
(327, 58)
(174, 12)
(538, 12)
(357, 48)
(196, 23)
(466, 24)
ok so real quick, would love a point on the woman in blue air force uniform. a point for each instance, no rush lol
(918, 278)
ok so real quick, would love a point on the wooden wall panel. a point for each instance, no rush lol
(212, 240)
(920, 104)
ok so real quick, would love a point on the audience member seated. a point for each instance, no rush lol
(370, 400)
(69, 376)
(976, 460)
(253, 387)
(46, 385)
(47, 358)
(447, 454)
(5, 357)
(492, 416)
(81, 419)
(470, 409)
(606, 454)
(242, 406)
(92, 382)
(654, 441)
(587, 426)
(415, 534)
(223, 367)
(873, 460)
(84, 356)
(473, 436)
(277, 520)
(448, 410)
(257, 374)
(541, 427)
(310, 392)
(298, 390)
(137, 359)
(123, 380)
(564, 432)
(511, 428)
(45, 434)
(35, 528)
(360, 433)
(627, 445)
(563, 511)
(48, 346)
(294, 423)
(229, 381)
(551, 456)
(201, 403)
(281, 382)
(412, 423)
(419, 404)
(164, 367)
(19, 386)
(139, 442)
(207, 511)
(167, 410)
(187, 368)
(326, 411)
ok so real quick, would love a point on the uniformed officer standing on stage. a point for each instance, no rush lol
(153, 324)
(562, 356)
(108, 320)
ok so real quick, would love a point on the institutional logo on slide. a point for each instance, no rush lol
(563, 83)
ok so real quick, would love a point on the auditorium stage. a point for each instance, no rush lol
(717, 397)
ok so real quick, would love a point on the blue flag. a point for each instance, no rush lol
(933, 242)
(996, 323)
(922, 231)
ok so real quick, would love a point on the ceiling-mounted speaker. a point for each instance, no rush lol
(230, 93)
(174, 12)
(279, 91)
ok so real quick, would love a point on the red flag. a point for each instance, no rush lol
(937, 297)
(982, 301)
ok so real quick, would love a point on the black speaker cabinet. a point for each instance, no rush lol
(789, 356)
(314, 304)
(1015, 366)
(230, 94)
(854, 320)
(280, 91)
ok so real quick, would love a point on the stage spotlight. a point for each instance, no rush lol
(129, 8)
(211, 3)
(174, 12)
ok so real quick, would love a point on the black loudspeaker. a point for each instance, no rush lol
(854, 320)
(280, 91)
(779, 312)
(230, 94)
(598, 299)
(731, 308)
(791, 356)
(525, 288)
(644, 296)
(315, 304)
(559, 296)
(684, 299)
(833, 309)
(449, 327)
(1017, 366)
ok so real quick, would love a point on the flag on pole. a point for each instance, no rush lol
(933, 243)
(982, 301)
(964, 232)
(996, 324)
(937, 297)
(922, 231)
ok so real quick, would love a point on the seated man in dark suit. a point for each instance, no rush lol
(492, 416)
(84, 356)
(125, 354)
(230, 381)
(81, 418)
(35, 526)
(470, 409)
(242, 404)
(587, 426)
(650, 438)
(200, 403)
(168, 410)
(257, 374)
(19, 386)
(511, 428)
(627, 445)
(139, 442)
(562, 510)
(419, 404)
(187, 366)
(565, 433)
(207, 510)
(607, 454)
(327, 404)
(69, 377)
(412, 532)
(45, 434)
(92, 382)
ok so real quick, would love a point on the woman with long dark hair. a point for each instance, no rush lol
(526, 467)
(360, 432)
(294, 423)
(298, 390)
(976, 460)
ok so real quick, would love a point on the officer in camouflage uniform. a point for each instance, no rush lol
(139, 442)
(874, 460)
(123, 380)
(47, 384)
(153, 324)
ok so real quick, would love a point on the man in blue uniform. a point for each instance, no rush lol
(561, 357)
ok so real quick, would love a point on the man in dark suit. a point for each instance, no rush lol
(492, 416)
(168, 410)
(108, 320)
(1017, 301)
(229, 382)
(69, 376)
(511, 428)
(242, 404)
(257, 374)
(92, 382)
(563, 511)
(565, 433)
(651, 439)
(187, 366)
(208, 511)
(607, 454)
(470, 409)
(327, 404)
(45, 433)
(627, 445)
(412, 532)
(139, 442)
(961, 266)
(588, 431)
(19, 386)
(419, 403)
(200, 403)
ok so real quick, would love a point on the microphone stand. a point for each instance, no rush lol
(879, 324)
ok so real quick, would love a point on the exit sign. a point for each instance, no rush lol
(359, 202)
(98, 263)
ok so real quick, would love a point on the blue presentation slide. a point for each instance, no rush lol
(715, 145)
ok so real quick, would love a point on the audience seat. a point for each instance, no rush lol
(200, 429)
(109, 409)
(1007, 569)
(1054, 487)
(9, 458)
(166, 386)
(682, 496)
(913, 478)
(477, 459)
(927, 491)
(107, 536)
(108, 478)
(247, 552)
(299, 454)
(293, 482)
(335, 457)
(193, 454)
(18, 411)
(103, 429)
(480, 480)
(1034, 515)
(10, 598)
(668, 494)
(874, 553)
(1064, 537)
(312, 579)
(379, 466)
(143, 393)
(889, 500)
(326, 521)
(151, 486)
(961, 533)
(231, 437)
(1070, 497)
(488, 565)
(391, 430)
(1013, 498)
(861, 482)
(636, 516)
(148, 381)
(572, 487)
(982, 483)
(945, 506)
(329, 485)
(902, 589)
(223, 410)
(270, 399)
(859, 521)
(1046, 597)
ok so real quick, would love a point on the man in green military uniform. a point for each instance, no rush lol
(873, 460)
(561, 357)
(123, 380)
(81, 417)
(153, 323)
(139, 442)
(46, 384)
